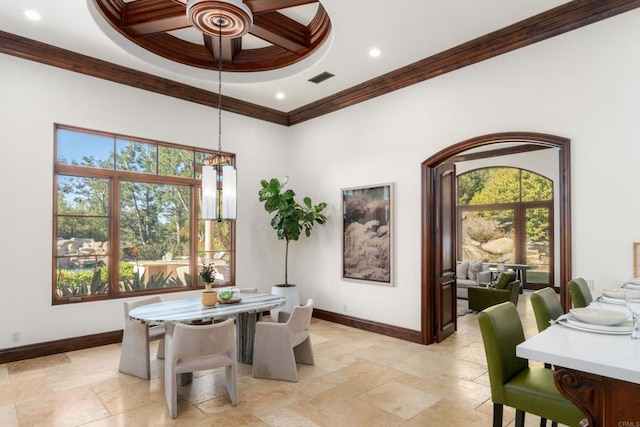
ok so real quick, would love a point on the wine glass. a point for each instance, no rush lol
(633, 304)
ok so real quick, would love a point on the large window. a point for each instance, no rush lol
(505, 215)
(127, 218)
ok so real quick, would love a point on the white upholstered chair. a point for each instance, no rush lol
(279, 346)
(135, 354)
(192, 348)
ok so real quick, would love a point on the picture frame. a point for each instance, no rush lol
(367, 234)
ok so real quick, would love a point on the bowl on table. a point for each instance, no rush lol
(596, 316)
(225, 294)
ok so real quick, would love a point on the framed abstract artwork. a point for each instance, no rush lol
(367, 233)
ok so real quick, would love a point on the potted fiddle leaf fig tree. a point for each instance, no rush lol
(290, 221)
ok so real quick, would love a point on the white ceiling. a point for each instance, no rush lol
(405, 31)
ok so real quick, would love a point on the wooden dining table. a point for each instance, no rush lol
(597, 371)
(247, 312)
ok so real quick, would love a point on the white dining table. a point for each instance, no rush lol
(191, 310)
(597, 371)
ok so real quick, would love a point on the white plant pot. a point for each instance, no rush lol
(292, 299)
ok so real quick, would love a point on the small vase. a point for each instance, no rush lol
(209, 297)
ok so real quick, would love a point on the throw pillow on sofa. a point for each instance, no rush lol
(461, 270)
(475, 267)
(504, 279)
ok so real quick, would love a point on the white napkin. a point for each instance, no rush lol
(563, 317)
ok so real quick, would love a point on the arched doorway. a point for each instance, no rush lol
(437, 267)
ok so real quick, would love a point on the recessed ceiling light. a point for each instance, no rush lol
(280, 95)
(32, 14)
(375, 52)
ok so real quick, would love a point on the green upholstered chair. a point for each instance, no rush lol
(546, 307)
(513, 382)
(580, 293)
(506, 289)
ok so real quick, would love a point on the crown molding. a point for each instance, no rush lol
(556, 21)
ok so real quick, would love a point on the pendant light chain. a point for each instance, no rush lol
(220, 20)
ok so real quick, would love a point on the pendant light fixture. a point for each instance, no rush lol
(227, 18)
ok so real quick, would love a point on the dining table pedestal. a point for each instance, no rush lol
(605, 401)
(245, 335)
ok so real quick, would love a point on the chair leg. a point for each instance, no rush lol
(160, 353)
(497, 414)
(543, 422)
(134, 355)
(519, 418)
(171, 390)
(231, 377)
(303, 352)
(554, 424)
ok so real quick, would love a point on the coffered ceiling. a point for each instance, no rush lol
(416, 39)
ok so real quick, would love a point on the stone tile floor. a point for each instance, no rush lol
(360, 379)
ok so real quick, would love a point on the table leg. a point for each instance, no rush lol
(245, 334)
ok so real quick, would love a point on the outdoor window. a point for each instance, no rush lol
(505, 215)
(127, 218)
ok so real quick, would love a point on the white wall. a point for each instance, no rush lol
(583, 85)
(34, 98)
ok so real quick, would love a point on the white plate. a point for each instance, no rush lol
(616, 301)
(612, 330)
(620, 293)
(631, 286)
(596, 316)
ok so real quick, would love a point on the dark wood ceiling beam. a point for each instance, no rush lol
(261, 6)
(54, 56)
(282, 31)
(320, 26)
(144, 17)
(553, 22)
(230, 47)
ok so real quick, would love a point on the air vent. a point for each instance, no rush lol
(321, 77)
